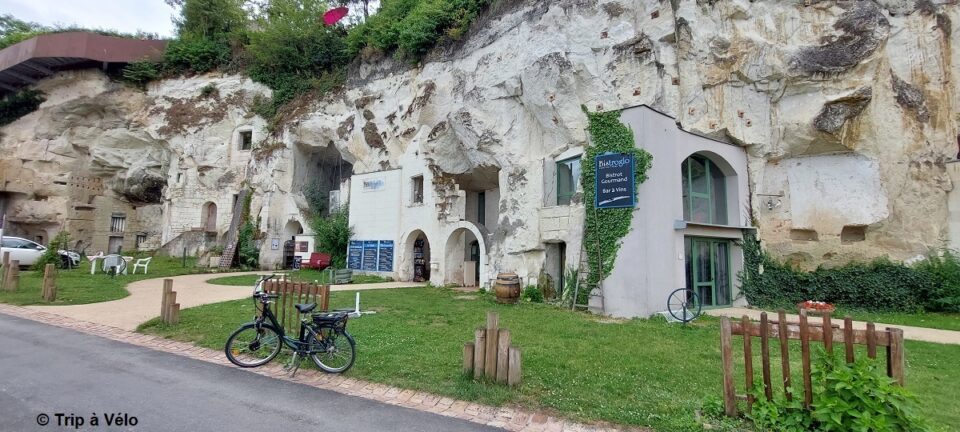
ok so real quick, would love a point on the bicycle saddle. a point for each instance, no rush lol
(306, 307)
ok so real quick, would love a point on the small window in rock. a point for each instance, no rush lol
(568, 180)
(118, 223)
(418, 190)
(853, 233)
(804, 235)
(140, 239)
(179, 178)
(246, 140)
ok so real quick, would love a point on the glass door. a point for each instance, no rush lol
(708, 270)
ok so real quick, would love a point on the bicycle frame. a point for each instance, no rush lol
(268, 315)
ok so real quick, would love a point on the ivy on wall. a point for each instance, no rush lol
(606, 228)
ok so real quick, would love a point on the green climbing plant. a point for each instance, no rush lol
(606, 228)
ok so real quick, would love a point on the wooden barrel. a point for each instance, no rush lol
(507, 288)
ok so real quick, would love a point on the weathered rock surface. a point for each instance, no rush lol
(853, 99)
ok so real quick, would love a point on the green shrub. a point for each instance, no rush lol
(51, 255)
(531, 294)
(140, 73)
(945, 270)
(880, 285)
(195, 54)
(209, 90)
(333, 236)
(19, 104)
(248, 255)
(855, 396)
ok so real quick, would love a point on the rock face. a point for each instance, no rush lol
(847, 109)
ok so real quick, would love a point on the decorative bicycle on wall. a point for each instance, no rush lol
(684, 305)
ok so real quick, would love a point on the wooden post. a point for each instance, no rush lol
(784, 353)
(747, 361)
(805, 359)
(827, 333)
(513, 377)
(3, 273)
(468, 357)
(174, 313)
(12, 282)
(325, 297)
(895, 355)
(490, 362)
(479, 351)
(171, 300)
(49, 283)
(726, 353)
(871, 340)
(503, 356)
(848, 337)
(167, 289)
(765, 356)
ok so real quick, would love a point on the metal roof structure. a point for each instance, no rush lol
(27, 62)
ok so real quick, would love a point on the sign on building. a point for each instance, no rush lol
(370, 255)
(614, 181)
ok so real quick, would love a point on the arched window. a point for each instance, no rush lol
(704, 191)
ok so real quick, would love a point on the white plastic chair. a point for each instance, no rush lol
(116, 261)
(141, 263)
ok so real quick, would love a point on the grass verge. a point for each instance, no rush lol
(78, 286)
(634, 372)
(306, 275)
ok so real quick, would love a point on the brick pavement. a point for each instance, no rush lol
(509, 418)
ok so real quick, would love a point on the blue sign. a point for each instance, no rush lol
(355, 255)
(385, 256)
(614, 181)
(369, 256)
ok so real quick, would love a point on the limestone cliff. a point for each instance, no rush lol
(847, 109)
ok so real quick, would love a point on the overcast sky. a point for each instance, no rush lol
(128, 16)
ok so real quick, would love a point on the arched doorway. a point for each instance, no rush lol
(208, 217)
(465, 256)
(416, 263)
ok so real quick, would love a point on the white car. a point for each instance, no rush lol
(23, 250)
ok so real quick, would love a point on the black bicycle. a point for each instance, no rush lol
(323, 337)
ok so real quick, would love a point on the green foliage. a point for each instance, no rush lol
(51, 255)
(209, 90)
(413, 27)
(606, 228)
(140, 73)
(333, 236)
(880, 285)
(248, 255)
(294, 53)
(859, 397)
(195, 54)
(19, 104)
(945, 270)
(846, 397)
(531, 294)
(14, 30)
(215, 20)
(317, 197)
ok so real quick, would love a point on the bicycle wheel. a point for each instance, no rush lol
(684, 305)
(248, 347)
(333, 350)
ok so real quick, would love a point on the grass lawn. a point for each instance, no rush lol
(302, 275)
(945, 321)
(636, 372)
(78, 286)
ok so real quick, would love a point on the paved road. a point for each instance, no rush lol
(143, 303)
(49, 370)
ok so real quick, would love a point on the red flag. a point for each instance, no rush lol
(335, 15)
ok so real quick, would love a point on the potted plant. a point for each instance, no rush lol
(819, 307)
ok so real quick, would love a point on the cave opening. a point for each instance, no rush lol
(318, 174)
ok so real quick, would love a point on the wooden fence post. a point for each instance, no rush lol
(3, 273)
(895, 355)
(765, 356)
(513, 377)
(468, 357)
(479, 351)
(174, 313)
(805, 359)
(490, 362)
(848, 337)
(784, 353)
(167, 289)
(12, 282)
(726, 353)
(747, 361)
(503, 356)
(49, 283)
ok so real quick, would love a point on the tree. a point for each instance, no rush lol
(209, 19)
(10, 24)
(333, 236)
(363, 4)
